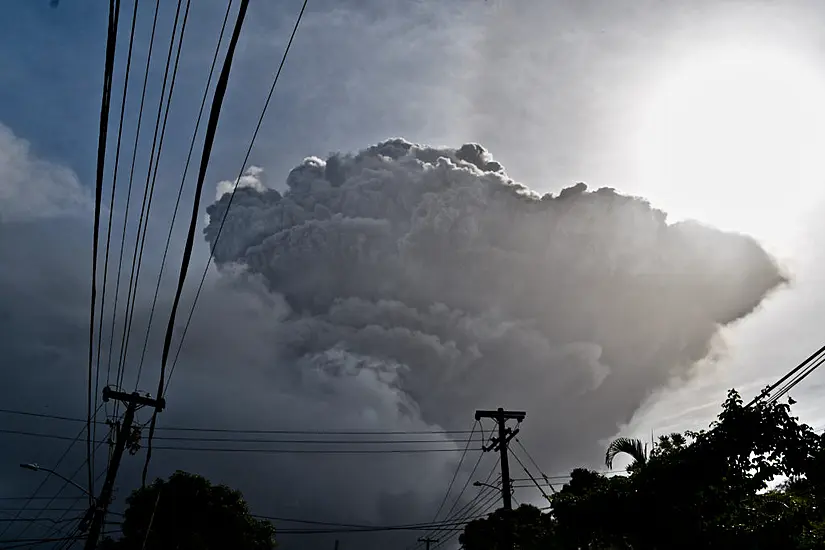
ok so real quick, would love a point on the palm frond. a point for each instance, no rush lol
(633, 447)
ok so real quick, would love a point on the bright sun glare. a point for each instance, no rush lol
(736, 139)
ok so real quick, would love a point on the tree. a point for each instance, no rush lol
(532, 530)
(632, 447)
(187, 512)
(708, 489)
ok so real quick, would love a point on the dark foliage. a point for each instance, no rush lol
(713, 489)
(187, 512)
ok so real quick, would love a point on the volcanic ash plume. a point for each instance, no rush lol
(461, 288)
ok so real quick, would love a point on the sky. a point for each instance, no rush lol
(385, 289)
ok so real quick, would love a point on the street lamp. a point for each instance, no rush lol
(38, 468)
(84, 522)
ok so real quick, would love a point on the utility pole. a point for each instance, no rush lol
(124, 432)
(427, 541)
(500, 444)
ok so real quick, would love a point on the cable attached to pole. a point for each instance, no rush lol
(108, 72)
(211, 129)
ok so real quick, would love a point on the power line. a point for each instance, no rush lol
(351, 525)
(318, 441)
(466, 484)
(530, 458)
(149, 185)
(35, 498)
(267, 441)
(811, 359)
(458, 497)
(209, 138)
(47, 509)
(477, 513)
(308, 451)
(455, 474)
(31, 542)
(526, 471)
(480, 514)
(454, 527)
(237, 180)
(111, 215)
(66, 512)
(154, 174)
(248, 431)
(45, 478)
(799, 377)
(126, 214)
(48, 520)
(34, 434)
(468, 508)
(183, 176)
(66, 483)
(357, 528)
(466, 511)
(108, 72)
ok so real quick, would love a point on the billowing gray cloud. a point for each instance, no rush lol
(458, 288)
(398, 288)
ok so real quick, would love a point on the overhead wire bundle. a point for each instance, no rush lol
(220, 90)
(43, 482)
(476, 507)
(796, 375)
(108, 73)
(101, 255)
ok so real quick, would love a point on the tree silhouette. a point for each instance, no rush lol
(711, 489)
(187, 512)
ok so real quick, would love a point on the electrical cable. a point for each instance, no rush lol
(183, 180)
(34, 498)
(538, 468)
(306, 451)
(44, 519)
(111, 213)
(533, 479)
(126, 211)
(477, 512)
(351, 525)
(799, 377)
(235, 187)
(77, 499)
(22, 543)
(66, 483)
(45, 479)
(148, 192)
(466, 484)
(455, 474)
(209, 138)
(767, 391)
(245, 431)
(460, 515)
(358, 528)
(466, 509)
(108, 72)
(34, 434)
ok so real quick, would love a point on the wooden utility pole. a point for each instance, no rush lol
(132, 401)
(427, 541)
(500, 443)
